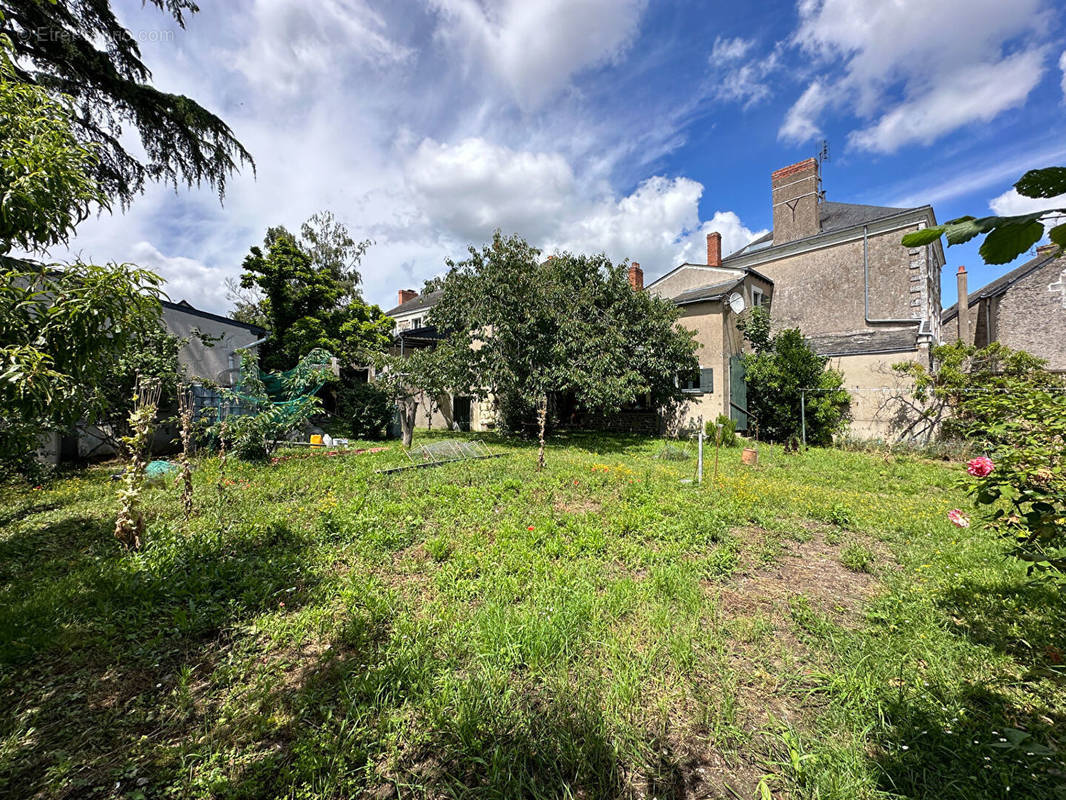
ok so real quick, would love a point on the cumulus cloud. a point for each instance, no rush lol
(1010, 203)
(473, 187)
(536, 46)
(871, 55)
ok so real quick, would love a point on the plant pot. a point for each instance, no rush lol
(750, 457)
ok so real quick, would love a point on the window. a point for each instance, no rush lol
(416, 322)
(700, 381)
(757, 297)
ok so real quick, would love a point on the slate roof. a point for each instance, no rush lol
(1000, 285)
(427, 333)
(833, 217)
(864, 342)
(715, 291)
(423, 301)
(185, 307)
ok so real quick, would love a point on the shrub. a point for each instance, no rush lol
(729, 430)
(1023, 484)
(364, 408)
(783, 368)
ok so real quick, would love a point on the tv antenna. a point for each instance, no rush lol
(823, 156)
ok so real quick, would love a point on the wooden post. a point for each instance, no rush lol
(542, 421)
(803, 416)
(699, 457)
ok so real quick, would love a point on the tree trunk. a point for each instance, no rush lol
(408, 409)
(542, 420)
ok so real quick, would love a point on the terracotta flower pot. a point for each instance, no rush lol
(749, 457)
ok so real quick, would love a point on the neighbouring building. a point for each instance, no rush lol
(711, 297)
(840, 274)
(1025, 309)
(214, 361)
(411, 332)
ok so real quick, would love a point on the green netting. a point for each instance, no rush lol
(286, 393)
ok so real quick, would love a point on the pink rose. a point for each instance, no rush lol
(980, 467)
(958, 518)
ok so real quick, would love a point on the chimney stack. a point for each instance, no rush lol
(794, 199)
(407, 294)
(636, 277)
(963, 317)
(714, 249)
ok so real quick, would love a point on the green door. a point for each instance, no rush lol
(738, 393)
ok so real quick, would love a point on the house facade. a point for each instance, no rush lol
(1025, 309)
(841, 275)
(712, 297)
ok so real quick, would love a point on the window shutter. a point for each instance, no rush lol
(707, 380)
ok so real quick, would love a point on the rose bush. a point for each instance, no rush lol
(1023, 485)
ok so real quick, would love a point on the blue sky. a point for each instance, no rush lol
(626, 126)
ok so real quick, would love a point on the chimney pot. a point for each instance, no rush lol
(405, 295)
(636, 277)
(714, 249)
(963, 317)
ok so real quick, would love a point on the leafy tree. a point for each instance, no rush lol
(1007, 237)
(523, 330)
(80, 50)
(63, 333)
(780, 366)
(970, 391)
(308, 295)
(46, 183)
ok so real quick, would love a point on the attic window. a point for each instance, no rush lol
(758, 298)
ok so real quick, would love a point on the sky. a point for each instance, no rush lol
(630, 127)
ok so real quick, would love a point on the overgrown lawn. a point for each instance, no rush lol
(810, 628)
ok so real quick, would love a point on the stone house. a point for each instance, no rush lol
(412, 332)
(840, 275)
(711, 297)
(1025, 309)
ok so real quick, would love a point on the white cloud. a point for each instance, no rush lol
(801, 123)
(1062, 66)
(290, 49)
(473, 187)
(896, 56)
(977, 93)
(730, 49)
(536, 46)
(1011, 203)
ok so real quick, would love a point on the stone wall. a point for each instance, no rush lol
(1031, 315)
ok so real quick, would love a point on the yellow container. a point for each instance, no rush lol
(316, 440)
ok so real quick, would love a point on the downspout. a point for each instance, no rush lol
(866, 285)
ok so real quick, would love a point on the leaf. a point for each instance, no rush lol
(923, 237)
(1008, 241)
(964, 229)
(1046, 182)
(1058, 235)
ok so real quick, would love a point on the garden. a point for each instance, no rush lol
(812, 626)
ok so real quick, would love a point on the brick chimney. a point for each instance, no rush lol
(636, 277)
(407, 294)
(963, 318)
(794, 198)
(714, 249)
